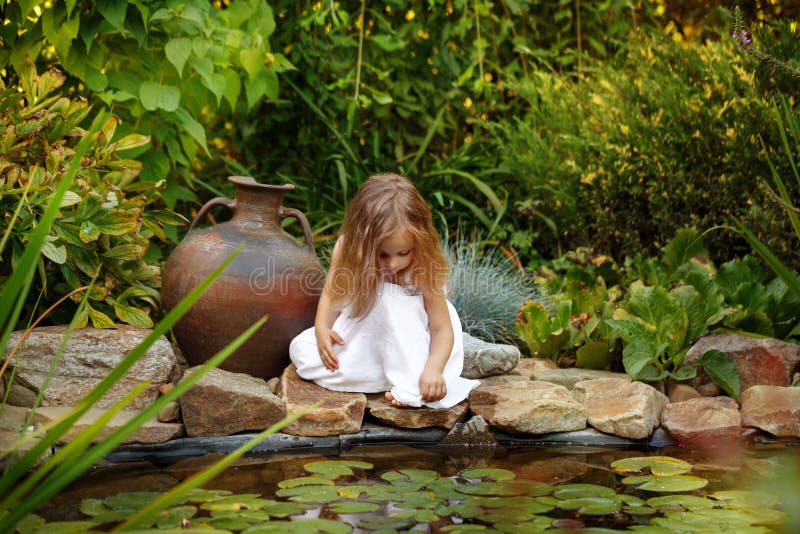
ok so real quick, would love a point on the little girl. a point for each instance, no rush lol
(383, 322)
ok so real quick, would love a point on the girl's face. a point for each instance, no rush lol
(396, 253)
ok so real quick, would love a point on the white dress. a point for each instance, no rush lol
(385, 350)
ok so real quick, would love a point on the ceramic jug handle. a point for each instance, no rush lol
(297, 214)
(218, 201)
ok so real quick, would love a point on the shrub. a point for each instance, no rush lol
(107, 219)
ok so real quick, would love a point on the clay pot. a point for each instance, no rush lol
(272, 275)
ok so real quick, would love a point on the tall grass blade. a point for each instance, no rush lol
(426, 141)
(70, 470)
(479, 213)
(791, 124)
(783, 192)
(16, 471)
(787, 275)
(148, 513)
(479, 184)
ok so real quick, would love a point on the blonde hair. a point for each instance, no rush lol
(385, 204)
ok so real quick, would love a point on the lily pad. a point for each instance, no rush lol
(444, 488)
(93, 507)
(658, 465)
(200, 495)
(335, 468)
(236, 503)
(464, 528)
(745, 498)
(133, 500)
(688, 502)
(576, 491)
(354, 507)
(29, 523)
(375, 523)
(310, 494)
(313, 480)
(415, 476)
(537, 524)
(281, 509)
(65, 527)
(491, 474)
(418, 501)
(674, 483)
(639, 510)
(592, 505)
(418, 515)
(505, 488)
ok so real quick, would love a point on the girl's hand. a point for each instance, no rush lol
(326, 337)
(432, 386)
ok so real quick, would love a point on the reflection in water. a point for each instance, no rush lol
(770, 470)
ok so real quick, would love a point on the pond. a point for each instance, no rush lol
(395, 488)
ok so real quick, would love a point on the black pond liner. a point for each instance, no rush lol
(369, 435)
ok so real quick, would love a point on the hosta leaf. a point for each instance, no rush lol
(658, 465)
(722, 370)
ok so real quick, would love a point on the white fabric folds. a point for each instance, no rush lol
(385, 350)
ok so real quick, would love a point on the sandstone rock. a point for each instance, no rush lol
(150, 432)
(528, 407)
(339, 413)
(386, 412)
(89, 355)
(703, 421)
(569, 377)
(223, 403)
(683, 392)
(472, 433)
(621, 407)
(273, 384)
(483, 359)
(709, 389)
(768, 362)
(772, 408)
(170, 413)
(527, 366)
(12, 427)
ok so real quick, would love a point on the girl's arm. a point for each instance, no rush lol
(432, 386)
(326, 316)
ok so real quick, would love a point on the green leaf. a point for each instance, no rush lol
(178, 51)
(658, 465)
(663, 311)
(335, 468)
(55, 253)
(488, 473)
(594, 355)
(252, 59)
(114, 12)
(722, 370)
(389, 43)
(100, 319)
(672, 484)
(233, 86)
(89, 232)
(192, 127)
(686, 244)
(154, 95)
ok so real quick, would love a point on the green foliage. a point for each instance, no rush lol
(665, 136)
(165, 67)
(106, 219)
(723, 371)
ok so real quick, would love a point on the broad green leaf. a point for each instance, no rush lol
(722, 370)
(417, 476)
(192, 127)
(658, 465)
(389, 43)
(695, 308)
(100, 319)
(270, 84)
(592, 505)
(132, 141)
(579, 491)
(54, 253)
(305, 481)
(594, 355)
(686, 372)
(354, 507)
(114, 12)
(686, 244)
(89, 232)
(506, 488)
(335, 468)
(233, 86)
(133, 315)
(178, 51)
(252, 59)
(384, 523)
(65, 527)
(656, 307)
(688, 502)
(154, 95)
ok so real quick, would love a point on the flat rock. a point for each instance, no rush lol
(775, 409)
(527, 407)
(89, 355)
(12, 427)
(569, 377)
(151, 431)
(768, 362)
(222, 403)
(384, 411)
(483, 359)
(527, 366)
(683, 392)
(621, 407)
(339, 412)
(703, 421)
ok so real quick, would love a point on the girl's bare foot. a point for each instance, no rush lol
(391, 399)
